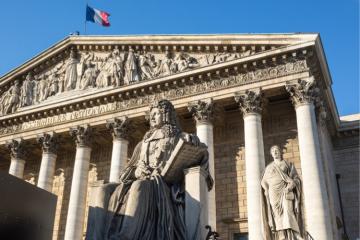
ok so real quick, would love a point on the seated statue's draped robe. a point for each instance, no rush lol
(281, 209)
(146, 209)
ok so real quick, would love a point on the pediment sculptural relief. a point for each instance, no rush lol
(96, 70)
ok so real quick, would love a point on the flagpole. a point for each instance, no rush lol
(85, 16)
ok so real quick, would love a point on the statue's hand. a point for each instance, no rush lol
(142, 172)
(190, 138)
(290, 186)
(156, 172)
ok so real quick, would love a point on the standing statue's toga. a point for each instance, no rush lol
(281, 187)
(144, 206)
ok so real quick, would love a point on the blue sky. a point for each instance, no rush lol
(29, 27)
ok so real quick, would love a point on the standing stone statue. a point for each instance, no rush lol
(281, 188)
(27, 91)
(71, 71)
(142, 205)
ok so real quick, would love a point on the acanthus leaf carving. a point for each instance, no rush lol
(119, 127)
(202, 111)
(250, 101)
(81, 135)
(303, 91)
(17, 149)
(48, 142)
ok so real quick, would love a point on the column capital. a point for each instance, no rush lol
(250, 101)
(16, 147)
(81, 135)
(119, 127)
(202, 110)
(48, 142)
(302, 91)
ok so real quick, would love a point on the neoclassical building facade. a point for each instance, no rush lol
(71, 116)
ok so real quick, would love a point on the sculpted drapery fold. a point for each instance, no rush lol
(281, 200)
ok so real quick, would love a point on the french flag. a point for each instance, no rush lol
(97, 16)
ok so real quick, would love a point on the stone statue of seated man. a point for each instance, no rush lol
(142, 205)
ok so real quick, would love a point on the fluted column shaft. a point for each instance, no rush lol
(17, 164)
(17, 167)
(318, 224)
(77, 203)
(47, 170)
(118, 158)
(250, 105)
(202, 112)
(48, 160)
(119, 128)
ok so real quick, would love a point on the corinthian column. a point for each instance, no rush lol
(17, 154)
(250, 105)
(202, 112)
(48, 142)
(119, 128)
(303, 94)
(76, 210)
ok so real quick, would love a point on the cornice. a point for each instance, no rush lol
(325, 73)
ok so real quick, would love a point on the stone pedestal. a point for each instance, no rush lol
(76, 210)
(196, 203)
(250, 105)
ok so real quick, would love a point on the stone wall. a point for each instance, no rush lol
(347, 165)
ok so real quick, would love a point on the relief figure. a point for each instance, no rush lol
(146, 66)
(71, 73)
(12, 98)
(88, 79)
(131, 68)
(42, 88)
(26, 91)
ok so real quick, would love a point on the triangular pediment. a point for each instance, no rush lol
(81, 65)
